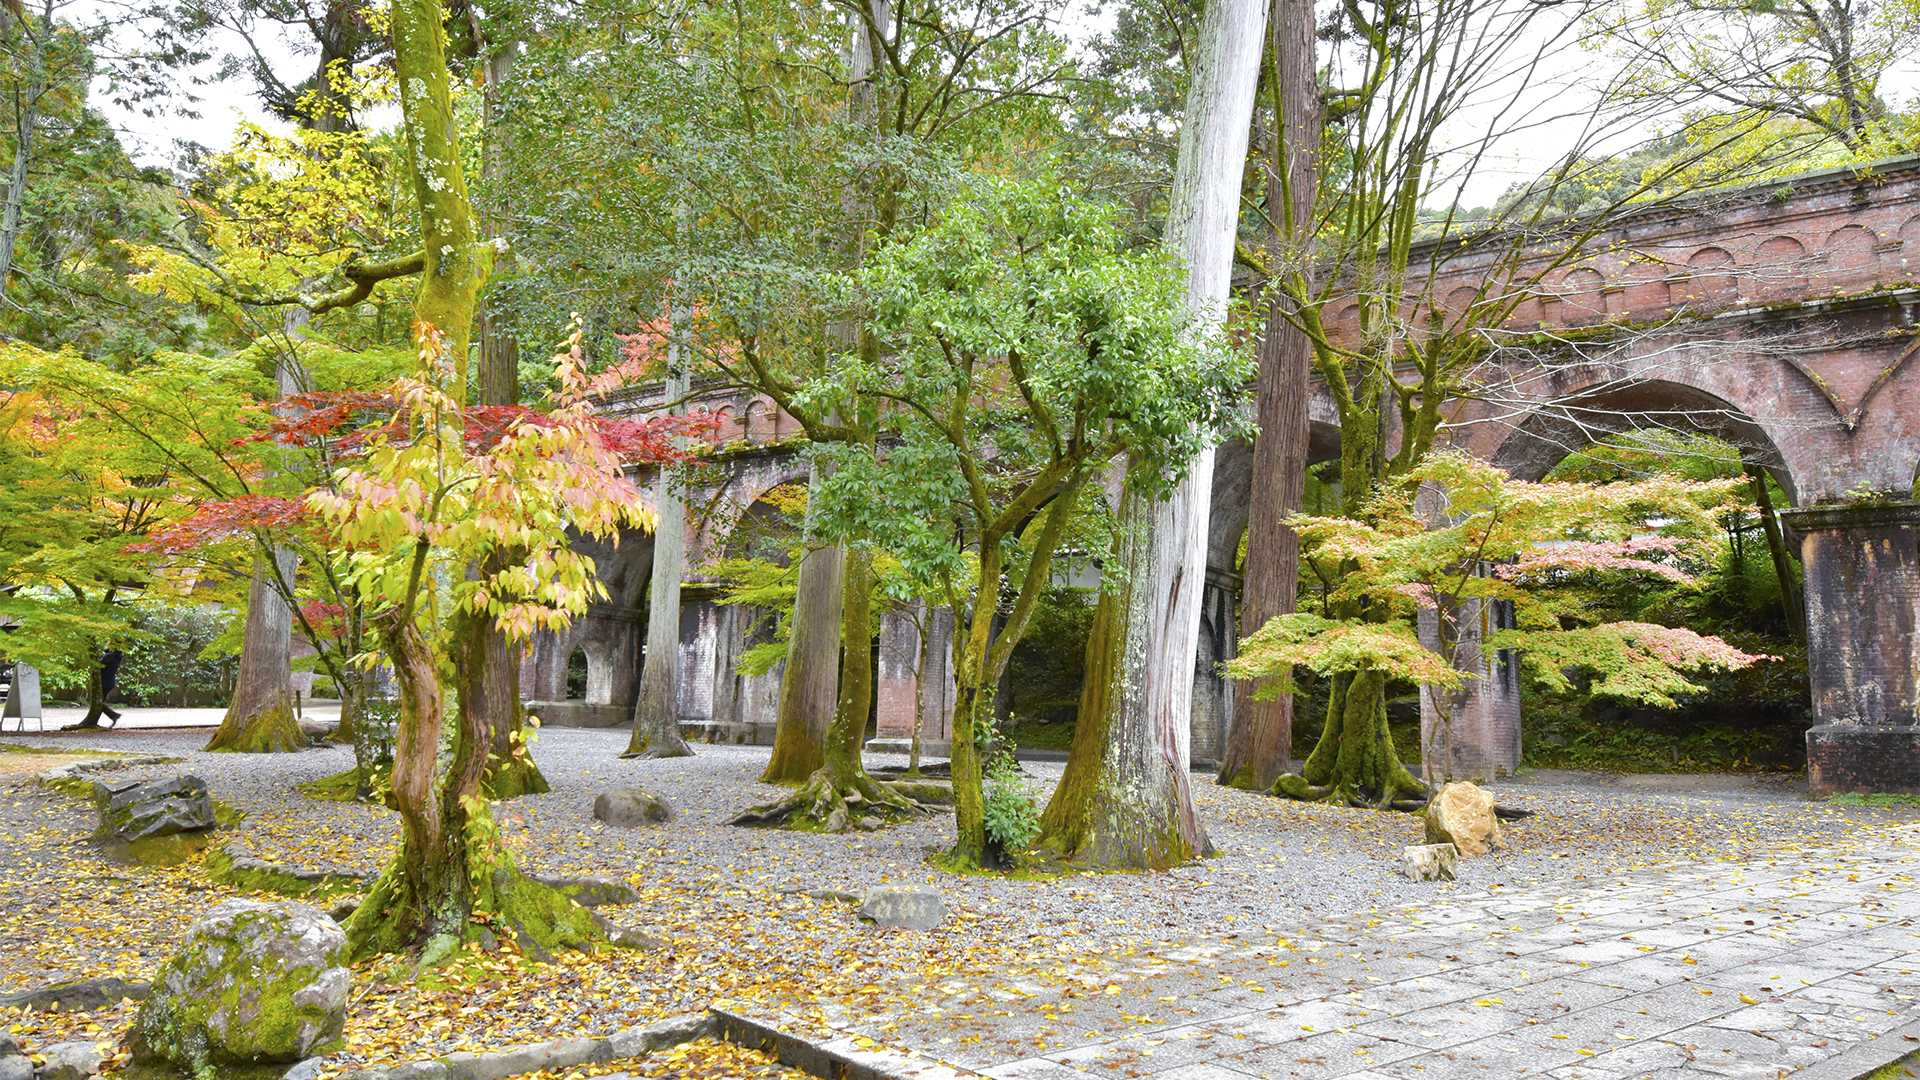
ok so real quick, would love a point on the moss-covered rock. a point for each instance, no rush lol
(253, 984)
(131, 810)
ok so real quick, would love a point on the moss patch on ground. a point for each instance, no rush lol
(1878, 798)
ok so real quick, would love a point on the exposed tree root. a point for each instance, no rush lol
(270, 731)
(1401, 782)
(507, 910)
(836, 804)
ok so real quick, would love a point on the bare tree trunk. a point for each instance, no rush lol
(260, 718)
(1777, 548)
(28, 117)
(1127, 800)
(656, 716)
(494, 688)
(810, 684)
(1260, 744)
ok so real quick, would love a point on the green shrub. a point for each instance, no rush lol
(1012, 815)
(176, 660)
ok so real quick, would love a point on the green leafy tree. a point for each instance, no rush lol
(1819, 65)
(1023, 344)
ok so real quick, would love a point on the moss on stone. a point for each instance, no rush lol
(248, 874)
(217, 1009)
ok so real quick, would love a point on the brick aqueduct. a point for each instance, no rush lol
(1781, 318)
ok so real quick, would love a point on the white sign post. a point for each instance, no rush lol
(23, 697)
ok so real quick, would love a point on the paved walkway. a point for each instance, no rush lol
(132, 717)
(1803, 963)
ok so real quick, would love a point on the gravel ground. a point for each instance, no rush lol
(722, 896)
(1277, 861)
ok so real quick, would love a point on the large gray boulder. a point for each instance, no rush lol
(628, 807)
(131, 810)
(254, 983)
(907, 909)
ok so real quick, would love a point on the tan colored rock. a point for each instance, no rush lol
(1462, 815)
(1429, 862)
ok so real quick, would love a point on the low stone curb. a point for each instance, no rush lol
(86, 996)
(72, 770)
(231, 864)
(1863, 1058)
(631, 1042)
(840, 1058)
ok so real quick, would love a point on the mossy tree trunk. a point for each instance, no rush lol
(1126, 800)
(260, 718)
(452, 880)
(1355, 760)
(839, 795)
(810, 682)
(656, 715)
(982, 654)
(492, 694)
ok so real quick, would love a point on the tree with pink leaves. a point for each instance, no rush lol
(1458, 542)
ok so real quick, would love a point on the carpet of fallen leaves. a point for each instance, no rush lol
(740, 929)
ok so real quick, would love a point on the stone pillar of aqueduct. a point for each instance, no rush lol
(1780, 318)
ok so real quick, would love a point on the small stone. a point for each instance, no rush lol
(315, 729)
(134, 811)
(8, 1047)
(305, 1070)
(1430, 862)
(342, 910)
(908, 909)
(16, 1068)
(253, 983)
(629, 807)
(1461, 814)
(69, 1061)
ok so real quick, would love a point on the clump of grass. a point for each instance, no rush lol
(1878, 798)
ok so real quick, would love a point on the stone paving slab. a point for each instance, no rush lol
(1811, 962)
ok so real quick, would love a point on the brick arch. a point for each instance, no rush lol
(751, 502)
(1709, 281)
(761, 421)
(1909, 237)
(1851, 260)
(1569, 423)
(1780, 271)
(1581, 295)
